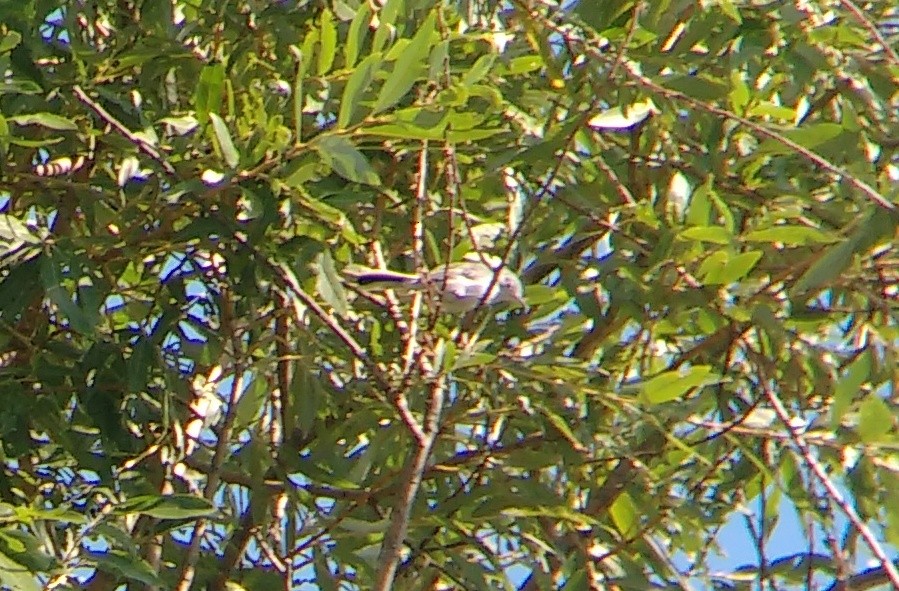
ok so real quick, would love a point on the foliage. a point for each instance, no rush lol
(700, 197)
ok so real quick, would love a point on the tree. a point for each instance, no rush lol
(701, 199)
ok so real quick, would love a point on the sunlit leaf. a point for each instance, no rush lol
(343, 157)
(329, 284)
(627, 117)
(48, 120)
(407, 67)
(671, 385)
(225, 143)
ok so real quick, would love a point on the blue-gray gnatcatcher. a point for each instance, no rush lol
(461, 286)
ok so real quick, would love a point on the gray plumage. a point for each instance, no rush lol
(463, 289)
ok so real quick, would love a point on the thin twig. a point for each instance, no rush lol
(872, 30)
(141, 143)
(827, 165)
(832, 491)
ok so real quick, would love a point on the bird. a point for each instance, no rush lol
(460, 286)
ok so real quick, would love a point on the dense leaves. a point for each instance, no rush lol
(700, 197)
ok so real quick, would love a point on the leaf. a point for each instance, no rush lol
(223, 137)
(209, 91)
(849, 386)
(48, 120)
(14, 231)
(328, 40)
(407, 67)
(722, 269)
(625, 515)
(356, 35)
(9, 41)
(57, 293)
(15, 576)
(355, 88)
(344, 159)
(739, 94)
(809, 137)
(479, 69)
(407, 131)
(250, 404)
(329, 285)
(622, 118)
(829, 265)
(790, 235)
(698, 86)
(180, 506)
(561, 425)
(671, 385)
(20, 87)
(875, 419)
(127, 565)
(524, 65)
(715, 234)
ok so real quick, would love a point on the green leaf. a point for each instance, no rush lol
(14, 231)
(739, 94)
(625, 515)
(328, 39)
(344, 159)
(251, 402)
(357, 34)
(790, 235)
(209, 92)
(329, 285)
(129, 566)
(848, 388)
(829, 265)
(722, 269)
(9, 41)
(15, 576)
(26, 549)
(178, 506)
(524, 65)
(809, 136)
(875, 419)
(479, 69)
(698, 86)
(715, 234)
(562, 426)
(355, 88)
(671, 385)
(225, 144)
(53, 282)
(408, 67)
(48, 120)
(19, 87)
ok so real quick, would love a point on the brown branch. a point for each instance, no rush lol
(391, 548)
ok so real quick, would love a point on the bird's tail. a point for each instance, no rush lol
(381, 278)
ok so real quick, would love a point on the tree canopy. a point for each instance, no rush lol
(700, 198)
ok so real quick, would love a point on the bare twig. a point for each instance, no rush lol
(141, 143)
(820, 473)
(391, 549)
